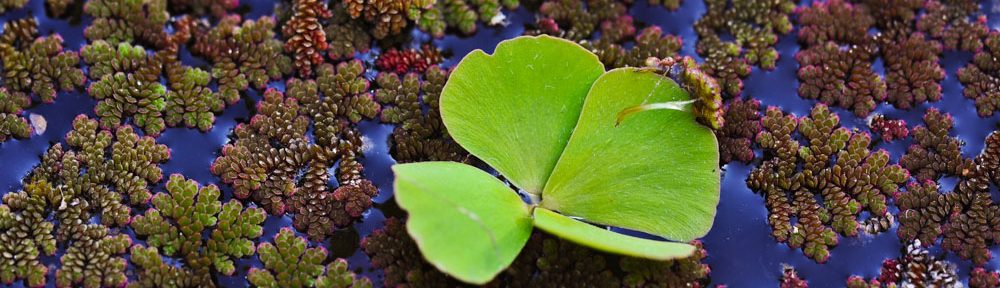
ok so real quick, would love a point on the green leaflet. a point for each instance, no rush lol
(515, 109)
(466, 222)
(657, 172)
(543, 113)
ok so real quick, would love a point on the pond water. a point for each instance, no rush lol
(741, 251)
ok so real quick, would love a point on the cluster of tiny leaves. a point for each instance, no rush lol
(12, 124)
(835, 165)
(242, 54)
(755, 27)
(288, 262)
(419, 135)
(62, 193)
(270, 152)
(126, 84)
(180, 217)
(41, 67)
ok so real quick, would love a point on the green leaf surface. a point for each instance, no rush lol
(608, 241)
(466, 222)
(657, 172)
(516, 109)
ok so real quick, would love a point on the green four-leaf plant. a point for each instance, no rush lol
(542, 112)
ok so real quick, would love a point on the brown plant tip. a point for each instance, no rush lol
(741, 125)
(836, 165)
(305, 34)
(977, 77)
(403, 61)
(934, 153)
(889, 129)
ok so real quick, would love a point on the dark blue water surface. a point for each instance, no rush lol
(741, 250)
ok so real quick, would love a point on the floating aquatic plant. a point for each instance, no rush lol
(934, 153)
(217, 8)
(913, 74)
(649, 42)
(977, 77)
(388, 17)
(94, 259)
(741, 125)
(839, 77)
(790, 278)
(345, 37)
(129, 21)
(190, 100)
(306, 37)
(546, 260)
(403, 61)
(179, 218)
(435, 201)
(835, 20)
(755, 25)
(288, 262)
(26, 233)
(41, 67)
(461, 15)
(419, 135)
(955, 22)
(61, 195)
(268, 154)
(242, 54)
(835, 165)
(889, 129)
(12, 124)
(104, 167)
(966, 217)
(576, 20)
(981, 278)
(126, 84)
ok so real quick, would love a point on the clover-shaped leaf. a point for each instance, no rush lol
(544, 114)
